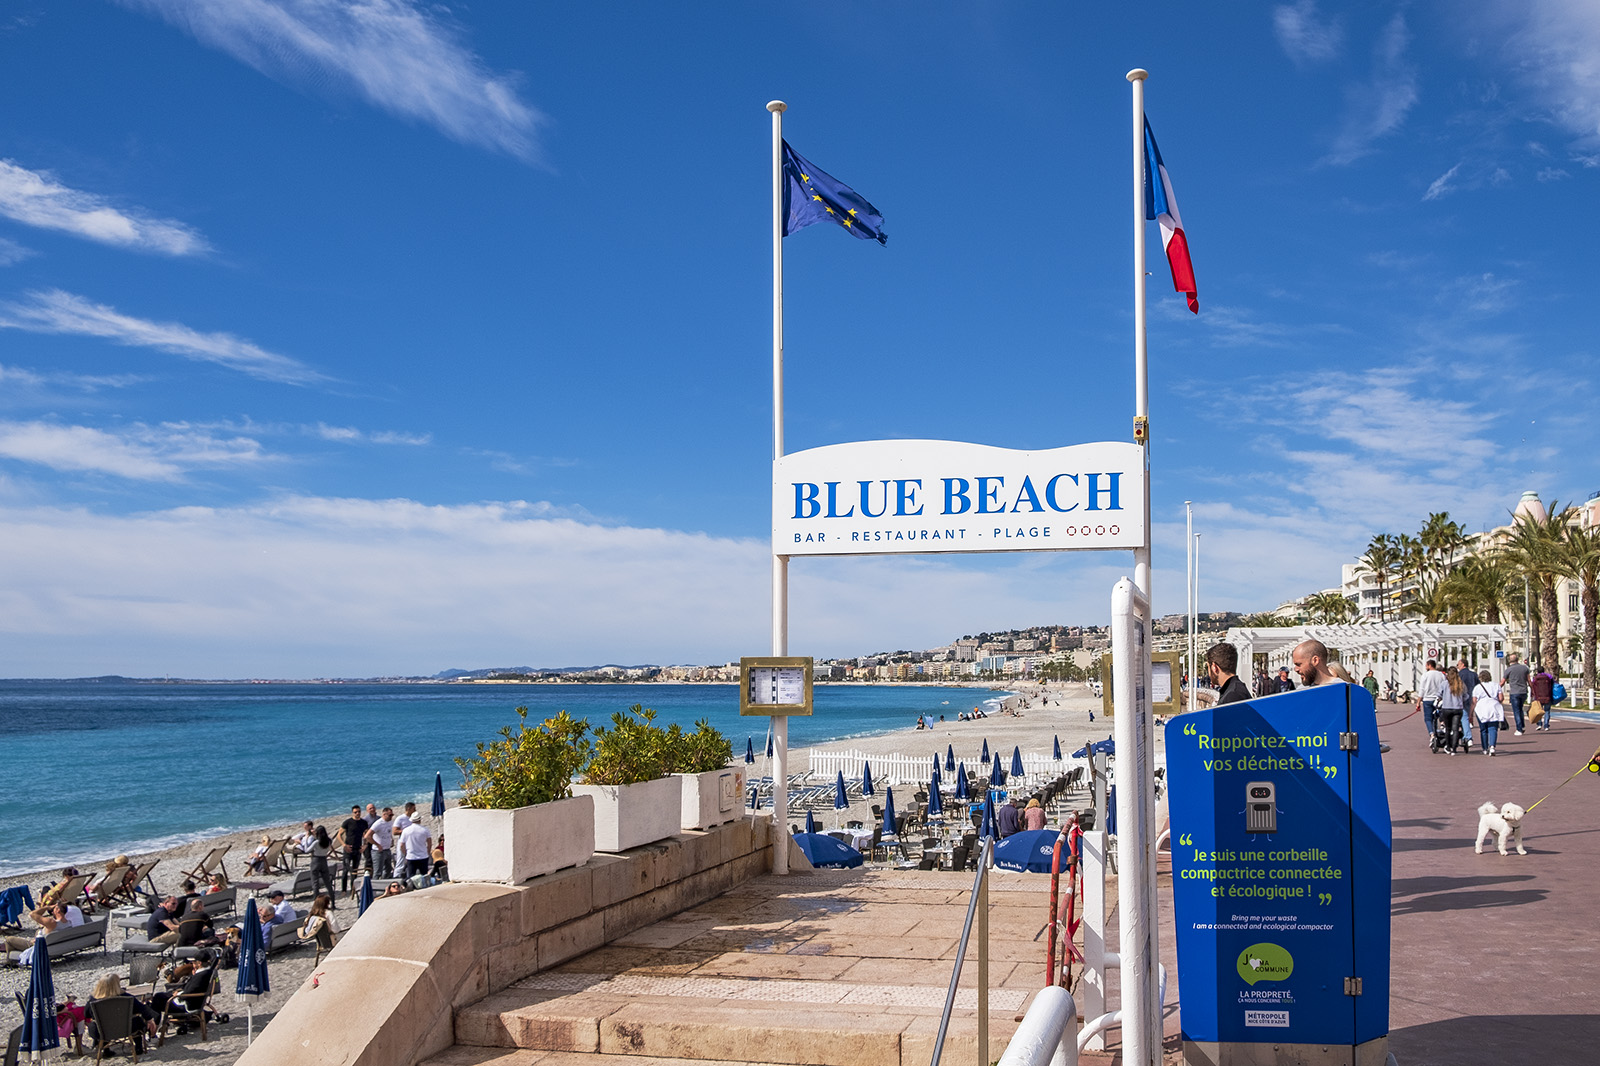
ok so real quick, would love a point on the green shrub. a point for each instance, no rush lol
(704, 750)
(633, 749)
(527, 766)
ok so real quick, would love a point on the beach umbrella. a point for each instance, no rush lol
(949, 756)
(936, 775)
(749, 750)
(364, 897)
(997, 773)
(888, 812)
(1058, 749)
(986, 827)
(1107, 746)
(841, 798)
(825, 851)
(866, 778)
(1016, 761)
(935, 765)
(1030, 851)
(755, 797)
(962, 791)
(769, 745)
(811, 822)
(253, 982)
(438, 795)
(985, 756)
(935, 802)
(39, 1006)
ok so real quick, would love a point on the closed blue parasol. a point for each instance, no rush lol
(749, 750)
(888, 812)
(755, 797)
(935, 801)
(39, 1006)
(935, 764)
(811, 822)
(984, 758)
(438, 795)
(986, 827)
(866, 778)
(825, 851)
(253, 981)
(769, 745)
(1058, 749)
(962, 791)
(364, 897)
(1030, 851)
(1016, 761)
(841, 798)
(949, 756)
(997, 773)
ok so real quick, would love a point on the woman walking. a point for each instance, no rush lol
(1451, 707)
(1488, 711)
(321, 847)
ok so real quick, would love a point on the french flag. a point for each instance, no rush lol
(1162, 206)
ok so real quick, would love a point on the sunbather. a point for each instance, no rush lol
(258, 858)
(59, 916)
(104, 888)
(218, 882)
(54, 891)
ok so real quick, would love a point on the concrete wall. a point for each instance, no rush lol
(387, 994)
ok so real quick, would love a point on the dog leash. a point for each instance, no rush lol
(1397, 721)
(1587, 763)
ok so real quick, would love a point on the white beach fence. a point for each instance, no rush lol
(899, 769)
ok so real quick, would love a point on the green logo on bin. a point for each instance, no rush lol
(1265, 962)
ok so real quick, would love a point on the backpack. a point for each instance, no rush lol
(1558, 692)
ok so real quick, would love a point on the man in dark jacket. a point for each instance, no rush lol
(1222, 666)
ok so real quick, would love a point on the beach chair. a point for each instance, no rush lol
(144, 972)
(13, 1042)
(294, 886)
(73, 890)
(208, 865)
(128, 891)
(114, 1022)
(277, 857)
(286, 935)
(67, 941)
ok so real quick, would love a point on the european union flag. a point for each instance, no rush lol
(810, 196)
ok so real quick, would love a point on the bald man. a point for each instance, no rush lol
(1310, 658)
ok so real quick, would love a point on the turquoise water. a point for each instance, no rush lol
(97, 768)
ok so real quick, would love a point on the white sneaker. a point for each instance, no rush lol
(1491, 751)
(1519, 732)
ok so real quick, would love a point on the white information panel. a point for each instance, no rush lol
(888, 496)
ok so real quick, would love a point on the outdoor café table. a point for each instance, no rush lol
(860, 839)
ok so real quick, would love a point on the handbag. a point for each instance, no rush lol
(1536, 715)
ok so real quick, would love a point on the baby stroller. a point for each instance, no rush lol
(1448, 733)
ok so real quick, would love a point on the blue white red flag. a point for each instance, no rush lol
(1161, 206)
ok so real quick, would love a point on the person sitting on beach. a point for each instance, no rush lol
(258, 858)
(185, 1004)
(144, 1025)
(279, 911)
(441, 870)
(319, 923)
(218, 882)
(162, 925)
(395, 888)
(105, 887)
(54, 890)
(306, 838)
(59, 916)
(194, 928)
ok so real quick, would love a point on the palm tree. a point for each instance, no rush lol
(1533, 548)
(1441, 539)
(1579, 552)
(1412, 562)
(1380, 561)
(1477, 589)
(1329, 608)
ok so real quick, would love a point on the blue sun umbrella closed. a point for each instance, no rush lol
(1016, 761)
(935, 764)
(997, 773)
(984, 758)
(935, 801)
(866, 778)
(825, 851)
(841, 798)
(888, 812)
(252, 983)
(769, 745)
(962, 791)
(39, 1005)
(811, 822)
(749, 750)
(949, 756)
(438, 795)
(986, 827)
(364, 897)
(1058, 749)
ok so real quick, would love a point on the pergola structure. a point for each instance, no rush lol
(1393, 651)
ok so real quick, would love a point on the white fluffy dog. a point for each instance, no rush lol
(1505, 822)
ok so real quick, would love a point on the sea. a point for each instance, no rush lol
(100, 767)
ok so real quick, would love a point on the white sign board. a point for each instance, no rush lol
(886, 496)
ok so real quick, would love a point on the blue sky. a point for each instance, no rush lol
(360, 338)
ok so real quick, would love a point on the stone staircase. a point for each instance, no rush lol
(832, 968)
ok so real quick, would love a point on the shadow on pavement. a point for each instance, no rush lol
(1410, 886)
(1499, 1039)
(1468, 901)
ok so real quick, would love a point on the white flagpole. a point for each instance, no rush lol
(780, 563)
(1188, 557)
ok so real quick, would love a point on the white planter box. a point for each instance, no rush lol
(511, 846)
(711, 798)
(629, 816)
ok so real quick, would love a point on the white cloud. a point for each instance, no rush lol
(139, 453)
(1556, 47)
(35, 198)
(1304, 35)
(1441, 185)
(12, 253)
(308, 586)
(397, 54)
(54, 311)
(1377, 106)
(19, 377)
(1552, 174)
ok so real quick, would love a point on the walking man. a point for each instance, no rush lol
(1516, 682)
(1430, 693)
(1542, 687)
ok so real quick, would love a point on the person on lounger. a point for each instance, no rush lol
(257, 863)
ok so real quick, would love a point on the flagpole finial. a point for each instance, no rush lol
(776, 106)
(1136, 74)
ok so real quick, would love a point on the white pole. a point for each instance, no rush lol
(1188, 558)
(1141, 360)
(780, 563)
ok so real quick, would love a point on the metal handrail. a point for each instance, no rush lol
(980, 894)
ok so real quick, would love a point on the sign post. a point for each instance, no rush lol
(1280, 879)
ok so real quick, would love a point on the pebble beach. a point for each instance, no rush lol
(1033, 726)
